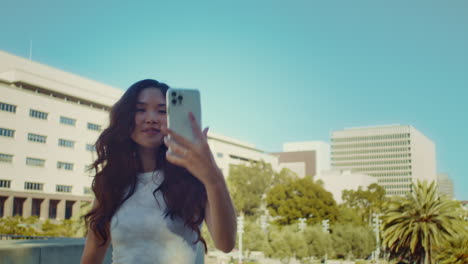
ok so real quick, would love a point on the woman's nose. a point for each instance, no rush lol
(151, 118)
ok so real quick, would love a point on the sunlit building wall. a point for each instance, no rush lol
(445, 185)
(336, 181)
(396, 155)
(229, 151)
(49, 121)
(305, 158)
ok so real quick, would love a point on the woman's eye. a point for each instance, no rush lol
(162, 111)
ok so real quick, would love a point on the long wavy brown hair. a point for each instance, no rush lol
(118, 164)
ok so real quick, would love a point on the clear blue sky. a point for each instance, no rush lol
(273, 71)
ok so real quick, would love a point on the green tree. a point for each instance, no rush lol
(365, 202)
(287, 242)
(247, 184)
(319, 243)
(454, 251)
(301, 198)
(348, 215)
(253, 238)
(413, 226)
(17, 225)
(350, 241)
(285, 176)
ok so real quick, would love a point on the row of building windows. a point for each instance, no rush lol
(43, 115)
(367, 138)
(387, 174)
(382, 168)
(7, 107)
(396, 192)
(366, 163)
(5, 184)
(36, 186)
(395, 180)
(37, 162)
(5, 132)
(67, 121)
(373, 144)
(65, 165)
(397, 186)
(37, 138)
(66, 143)
(388, 156)
(40, 187)
(6, 158)
(370, 151)
(63, 188)
(239, 158)
(43, 139)
(57, 95)
(38, 114)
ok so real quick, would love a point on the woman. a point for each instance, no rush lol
(153, 191)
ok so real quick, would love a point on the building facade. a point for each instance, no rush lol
(228, 151)
(49, 122)
(445, 185)
(336, 181)
(396, 155)
(305, 158)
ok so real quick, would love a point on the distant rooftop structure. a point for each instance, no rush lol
(445, 185)
(336, 181)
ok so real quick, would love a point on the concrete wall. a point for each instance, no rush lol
(53, 251)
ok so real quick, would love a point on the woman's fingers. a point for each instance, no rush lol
(178, 138)
(176, 160)
(175, 148)
(195, 127)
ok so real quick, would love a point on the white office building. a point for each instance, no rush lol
(305, 158)
(396, 155)
(49, 121)
(445, 185)
(336, 181)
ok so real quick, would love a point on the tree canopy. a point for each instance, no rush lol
(365, 202)
(422, 221)
(301, 198)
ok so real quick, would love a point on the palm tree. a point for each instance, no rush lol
(455, 251)
(414, 225)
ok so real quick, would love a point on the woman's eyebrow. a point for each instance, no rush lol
(143, 104)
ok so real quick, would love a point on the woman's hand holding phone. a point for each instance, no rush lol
(195, 155)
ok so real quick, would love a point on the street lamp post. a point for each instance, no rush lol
(376, 223)
(240, 230)
(326, 229)
(264, 223)
(302, 224)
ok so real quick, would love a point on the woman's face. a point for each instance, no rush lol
(150, 116)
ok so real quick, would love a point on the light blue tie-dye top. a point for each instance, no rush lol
(141, 234)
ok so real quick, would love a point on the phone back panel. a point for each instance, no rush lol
(180, 102)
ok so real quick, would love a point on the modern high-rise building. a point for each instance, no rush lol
(445, 185)
(49, 122)
(396, 155)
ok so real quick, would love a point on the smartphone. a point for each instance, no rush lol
(180, 102)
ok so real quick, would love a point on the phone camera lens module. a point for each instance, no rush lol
(174, 101)
(180, 97)
(174, 94)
